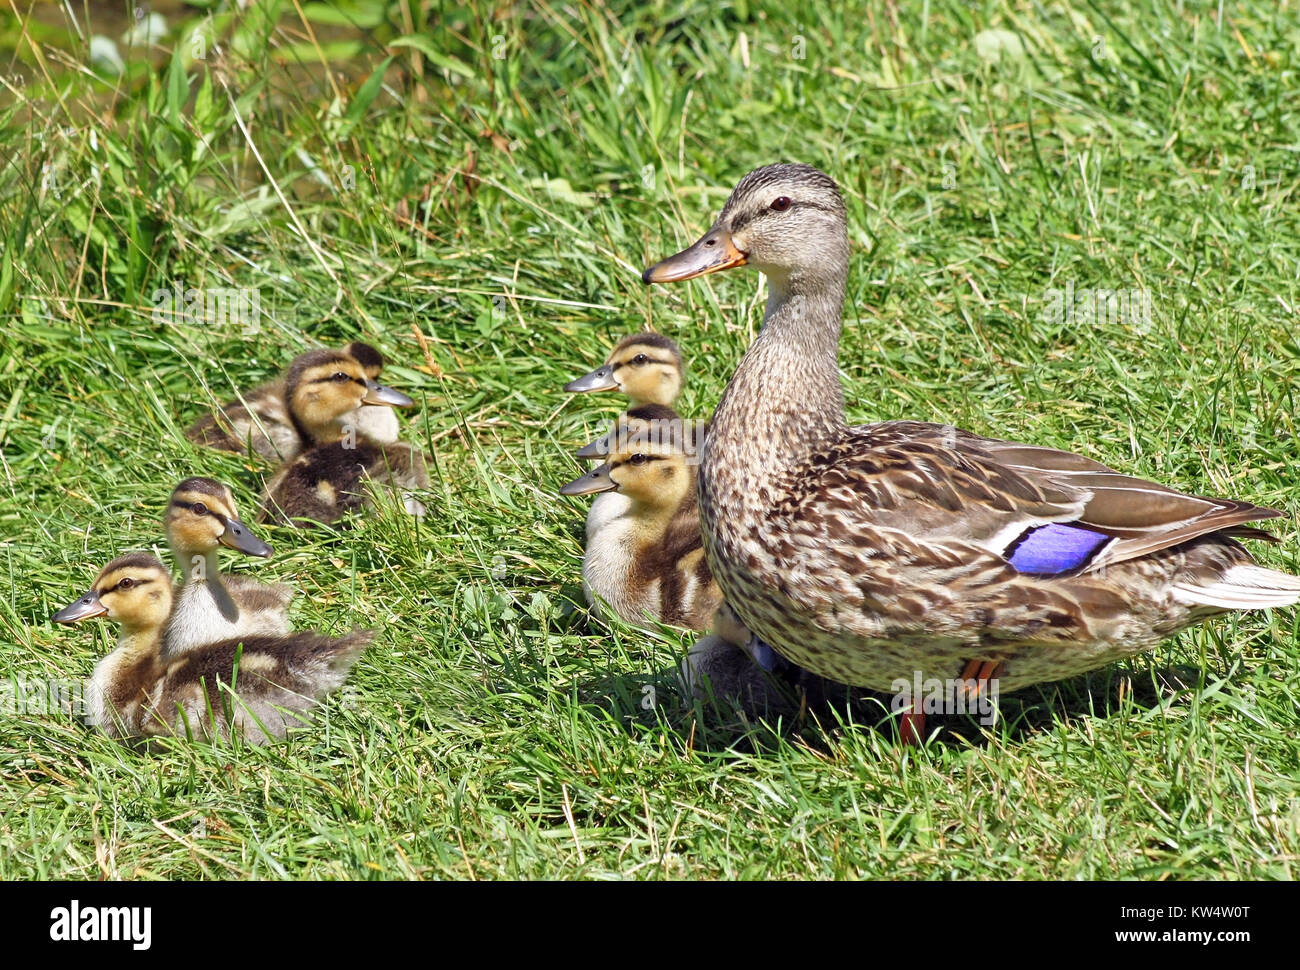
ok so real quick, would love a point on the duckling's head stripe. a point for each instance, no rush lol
(652, 412)
(201, 486)
(311, 360)
(656, 340)
(132, 560)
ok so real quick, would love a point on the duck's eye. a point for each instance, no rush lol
(780, 204)
(640, 359)
(340, 377)
(126, 583)
(198, 508)
(638, 459)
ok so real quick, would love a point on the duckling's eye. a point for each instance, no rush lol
(198, 508)
(340, 377)
(780, 204)
(638, 459)
(126, 583)
(640, 359)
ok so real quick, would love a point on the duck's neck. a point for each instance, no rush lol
(202, 569)
(785, 398)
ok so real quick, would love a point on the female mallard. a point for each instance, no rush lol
(259, 686)
(869, 553)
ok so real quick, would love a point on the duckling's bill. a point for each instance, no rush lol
(600, 448)
(240, 537)
(385, 396)
(714, 251)
(596, 480)
(86, 606)
(600, 379)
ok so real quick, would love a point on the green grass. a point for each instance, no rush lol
(503, 207)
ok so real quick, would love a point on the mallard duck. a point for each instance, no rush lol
(647, 367)
(325, 390)
(647, 563)
(262, 419)
(201, 517)
(870, 553)
(137, 692)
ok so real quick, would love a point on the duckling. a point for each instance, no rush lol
(325, 390)
(728, 665)
(136, 692)
(262, 418)
(201, 516)
(739, 664)
(731, 665)
(647, 367)
(648, 564)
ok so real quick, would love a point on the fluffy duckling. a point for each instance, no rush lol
(648, 564)
(201, 517)
(135, 692)
(325, 390)
(729, 665)
(262, 419)
(732, 666)
(647, 367)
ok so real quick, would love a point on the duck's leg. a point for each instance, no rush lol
(979, 672)
(911, 725)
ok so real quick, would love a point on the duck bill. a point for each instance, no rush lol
(601, 379)
(385, 396)
(240, 538)
(714, 252)
(595, 449)
(596, 480)
(83, 609)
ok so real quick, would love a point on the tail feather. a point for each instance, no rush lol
(1243, 587)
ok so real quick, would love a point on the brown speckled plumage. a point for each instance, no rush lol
(869, 553)
(324, 483)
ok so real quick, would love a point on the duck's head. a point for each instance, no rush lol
(786, 220)
(323, 387)
(134, 590)
(650, 469)
(647, 367)
(201, 516)
(643, 426)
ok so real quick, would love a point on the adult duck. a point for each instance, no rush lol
(870, 553)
